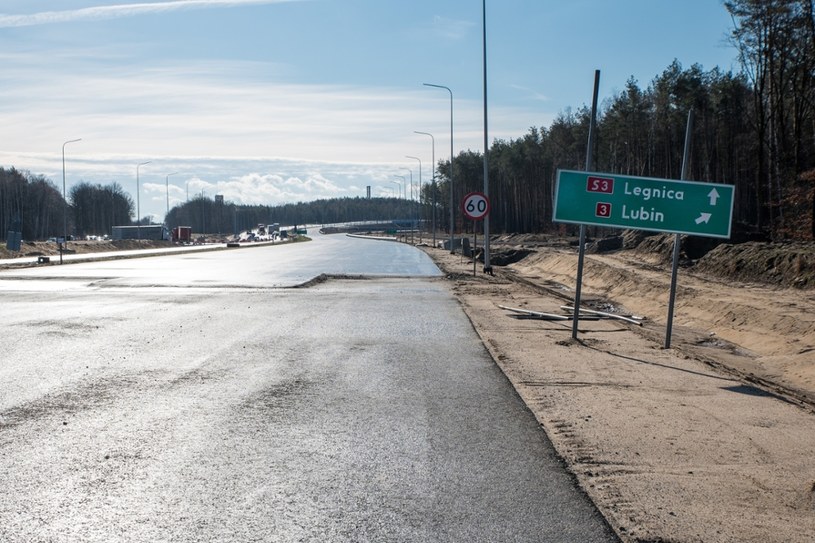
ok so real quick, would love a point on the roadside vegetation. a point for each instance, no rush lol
(754, 129)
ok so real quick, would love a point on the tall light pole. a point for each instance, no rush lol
(65, 200)
(487, 266)
(411, 197)
(452, 205)
(403, 184)
(418, 194)
(420, 175)
(167, 181)
(433, 182)
(411, 181)
(398, 194)
(138, 205)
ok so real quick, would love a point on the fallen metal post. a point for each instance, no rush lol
(604, 314)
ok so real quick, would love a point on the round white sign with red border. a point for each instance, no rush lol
(475, 206)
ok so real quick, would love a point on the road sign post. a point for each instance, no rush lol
(641, 203)
(475, 206)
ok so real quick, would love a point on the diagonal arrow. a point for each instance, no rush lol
(714, 196)
(703, 217)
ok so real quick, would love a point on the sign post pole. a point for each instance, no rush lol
(657, 205)
(475, 244)
(582, 249)
(675, 266)
(475, 206)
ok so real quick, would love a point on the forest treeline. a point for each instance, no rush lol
(35, 206)
(211, 216)
(754, 129)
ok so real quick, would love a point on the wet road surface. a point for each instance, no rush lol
(197, 410)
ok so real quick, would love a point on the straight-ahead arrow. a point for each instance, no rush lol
(703, 217)
(714, 197)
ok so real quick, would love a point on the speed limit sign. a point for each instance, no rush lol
(475, 206)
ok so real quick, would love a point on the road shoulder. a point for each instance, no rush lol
(667, 446)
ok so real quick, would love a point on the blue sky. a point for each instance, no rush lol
(276, 101)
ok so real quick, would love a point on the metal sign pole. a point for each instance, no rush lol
(476, 207)
(475, 244)
(675, 265)
(589, 165)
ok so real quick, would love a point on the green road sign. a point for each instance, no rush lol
(641, 203)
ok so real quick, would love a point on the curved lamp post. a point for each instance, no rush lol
(411, 182)
(138, 205)
(65, 200)
(420, 176)
(418, 194)
(433, 181)
(398, 194)
(167, 181)
(452, 205)
(403, 184)
(411, 196)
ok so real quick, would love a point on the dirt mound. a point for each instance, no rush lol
(133, 244)
(773, 264)
(505, 257)
(47, 248)
(772, 323)
(781, 264)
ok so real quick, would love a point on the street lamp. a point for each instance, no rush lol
(487, 266)
(420, 175)
(65, 200)
(433, 182)
(403, 183)
(452, 205)
(418, 194)
(411, 182)
(138, 205)
(167, 181)
(411, 197)
(398, 194)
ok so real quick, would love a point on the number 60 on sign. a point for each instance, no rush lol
(475, 206)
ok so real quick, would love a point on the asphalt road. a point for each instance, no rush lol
(191, 398)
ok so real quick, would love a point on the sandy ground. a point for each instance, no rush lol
(711, 440)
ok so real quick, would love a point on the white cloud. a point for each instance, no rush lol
(229, 127)
(451, 29)
(533, 94)
(218, 109)
(98, 13)
(254, 144)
